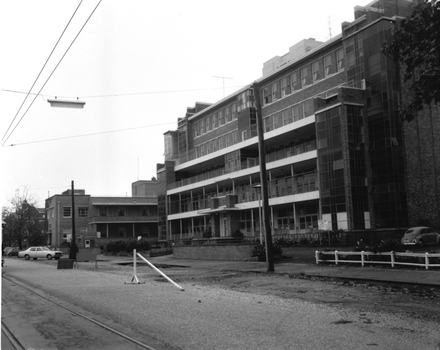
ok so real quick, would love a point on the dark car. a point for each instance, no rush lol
(11, 251)
(420, 236)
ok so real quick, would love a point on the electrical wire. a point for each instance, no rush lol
(45, 63)
(53, 71)
(128, 93)
(85, 135)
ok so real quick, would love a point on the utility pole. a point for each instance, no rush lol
(263, 175)
(72, 252)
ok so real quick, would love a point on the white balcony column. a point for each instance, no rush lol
(295, 217)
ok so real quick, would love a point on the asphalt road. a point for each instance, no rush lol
(203, 317)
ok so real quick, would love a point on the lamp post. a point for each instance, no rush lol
(258, 188)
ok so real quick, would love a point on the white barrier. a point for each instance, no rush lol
(392, 261)
(135, 279)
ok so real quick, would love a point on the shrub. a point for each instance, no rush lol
(207, 233)
(259, 251)
(237, 234)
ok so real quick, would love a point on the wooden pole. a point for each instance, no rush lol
(263, 175)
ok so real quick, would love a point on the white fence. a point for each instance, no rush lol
(365, 258)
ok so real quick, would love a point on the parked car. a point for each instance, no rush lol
(40, 252)
(11, 251)
(420, 236)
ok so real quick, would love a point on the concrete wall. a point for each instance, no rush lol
(214, 252)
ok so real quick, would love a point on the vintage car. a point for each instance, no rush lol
(420, 236)
(40, 252)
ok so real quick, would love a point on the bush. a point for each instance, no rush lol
(207, 233)
(127, 246)
(259, 251)
(237, 234)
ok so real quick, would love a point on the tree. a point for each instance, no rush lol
(22, 221)
(415, 47)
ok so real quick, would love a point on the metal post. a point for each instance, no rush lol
(72, 253)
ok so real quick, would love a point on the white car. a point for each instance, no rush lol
(40, 252)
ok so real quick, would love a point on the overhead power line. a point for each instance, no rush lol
(127, 93)
(53, 71)
(85, 135)
(45, 63)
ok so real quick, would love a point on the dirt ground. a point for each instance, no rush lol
(413, 301)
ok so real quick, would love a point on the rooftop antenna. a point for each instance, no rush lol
(329, 27)
(223, 82)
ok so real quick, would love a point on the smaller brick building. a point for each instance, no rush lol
(99, 220)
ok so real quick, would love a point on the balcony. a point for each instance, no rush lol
(279, 154)
(297, 184)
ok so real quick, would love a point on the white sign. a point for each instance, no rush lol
(323, 225)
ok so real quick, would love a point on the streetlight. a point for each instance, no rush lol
(258, 188)
(66, 103)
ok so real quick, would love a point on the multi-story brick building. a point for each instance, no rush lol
(335, 147)
(99, 220)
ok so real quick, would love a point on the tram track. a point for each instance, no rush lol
(9, 333)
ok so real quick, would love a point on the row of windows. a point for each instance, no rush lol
(289, 115)
(83, 212)
(127, 211)
(303, 77)
(215, 120)
(216, 144)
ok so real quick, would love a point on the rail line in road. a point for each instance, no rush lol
(9, 334)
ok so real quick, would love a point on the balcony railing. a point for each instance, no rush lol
(279, 154)
(301, 183)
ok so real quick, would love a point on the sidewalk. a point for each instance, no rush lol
(421, 276)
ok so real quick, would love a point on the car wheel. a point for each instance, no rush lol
(9, 254)
(49, 257)
(27, 257)
(421, 243)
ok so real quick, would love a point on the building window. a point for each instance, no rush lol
(297, 112)
(67, 212)
(287, 116)
(328, 65)
(340, 58)
(221, 117)
(83, 212)
(228, 116)
(285, 86)
(276, 93)
(102, 211)
(308, 107)
(306, 78)
(234, 111)
(295, 81)
(316, 71)
(267, 97)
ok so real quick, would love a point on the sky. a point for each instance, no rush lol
(137, 65)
